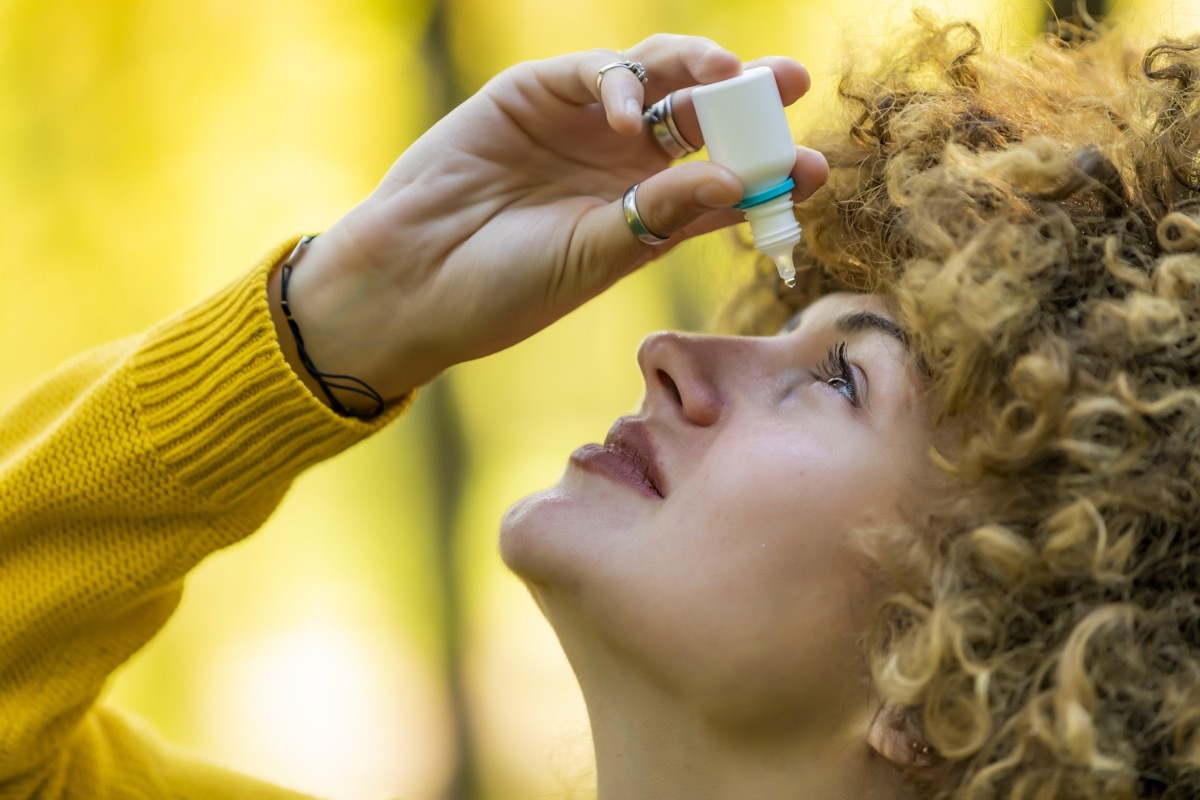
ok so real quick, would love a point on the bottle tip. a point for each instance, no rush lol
(786, 267)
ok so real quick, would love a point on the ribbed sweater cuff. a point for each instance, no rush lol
(224, 409)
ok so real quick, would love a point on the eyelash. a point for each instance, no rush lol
(835, 367)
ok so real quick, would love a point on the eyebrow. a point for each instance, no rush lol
(863, 321)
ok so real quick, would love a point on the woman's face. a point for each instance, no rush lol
(708, 544)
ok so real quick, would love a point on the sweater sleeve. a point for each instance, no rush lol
(118, 474)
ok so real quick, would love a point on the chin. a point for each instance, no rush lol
(519, 534)
(539, 537)
(561, 535)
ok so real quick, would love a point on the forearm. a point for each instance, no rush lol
(118, 475)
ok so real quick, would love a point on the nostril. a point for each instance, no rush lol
(667, 382)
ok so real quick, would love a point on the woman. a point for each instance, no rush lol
(931, 537)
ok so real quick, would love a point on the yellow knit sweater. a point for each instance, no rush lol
(118, 474)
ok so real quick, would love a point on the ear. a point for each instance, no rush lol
(893, 734)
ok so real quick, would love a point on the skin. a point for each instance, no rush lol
(713, 630)
(716, 630)
(506, 215)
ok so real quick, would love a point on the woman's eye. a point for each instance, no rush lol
(835, 371)
(842, 385)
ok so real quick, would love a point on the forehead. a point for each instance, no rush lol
(828, 308)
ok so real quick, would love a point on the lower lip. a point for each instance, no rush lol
(616, 465)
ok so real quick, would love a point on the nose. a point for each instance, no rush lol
(681, 373)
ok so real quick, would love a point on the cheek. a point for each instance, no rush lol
(788, 491)
(773, 529)
(748, 593)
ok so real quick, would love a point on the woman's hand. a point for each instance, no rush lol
(506, 215)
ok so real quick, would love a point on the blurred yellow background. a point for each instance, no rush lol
(367, 643)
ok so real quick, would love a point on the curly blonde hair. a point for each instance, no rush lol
(1035, 221)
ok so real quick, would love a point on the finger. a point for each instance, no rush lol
(621, 94)
(810, 173)
(711, 221)
(576, 79)
(572, 77)
(790, 76)
(673, 62)
(667, 202)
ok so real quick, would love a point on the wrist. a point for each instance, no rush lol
(311, 351)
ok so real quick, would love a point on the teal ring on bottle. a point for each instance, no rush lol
(758, 198)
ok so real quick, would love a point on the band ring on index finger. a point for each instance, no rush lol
(638, 70)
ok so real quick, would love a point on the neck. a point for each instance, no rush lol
(651, 745)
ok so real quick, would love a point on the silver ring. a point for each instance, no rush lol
(661, 118)
(634, 220)
(637, 69)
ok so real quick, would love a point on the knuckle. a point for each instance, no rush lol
(699, 47)
(667, 217)
(655, 39)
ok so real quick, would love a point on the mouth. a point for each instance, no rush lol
(627, 455)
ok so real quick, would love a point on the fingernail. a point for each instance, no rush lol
(632, 107)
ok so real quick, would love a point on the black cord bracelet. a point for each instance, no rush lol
(326, 380)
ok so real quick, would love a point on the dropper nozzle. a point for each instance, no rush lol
(786, 266)
(776, 232)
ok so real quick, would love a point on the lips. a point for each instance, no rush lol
(628, 455)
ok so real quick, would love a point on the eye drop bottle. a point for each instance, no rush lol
(745, 129)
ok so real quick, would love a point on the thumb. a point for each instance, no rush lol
(668, 203)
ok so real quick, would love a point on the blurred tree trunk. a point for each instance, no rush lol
(449, 460)
(1077, 11)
